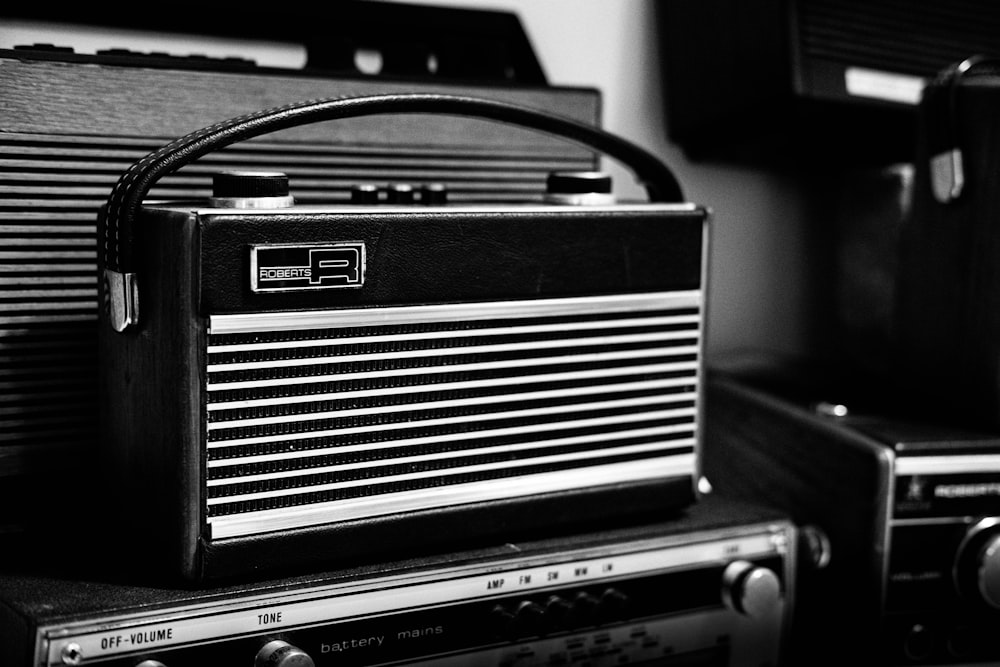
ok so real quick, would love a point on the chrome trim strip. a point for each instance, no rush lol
(492, 331)
(329, 319)
(451, 437)
(457, 368)
(251, 523)
(450, 209)
(193, 623)
(947, 465)
(456, 402)
(454, 455)
(442, 472)
(460, 419)
(932, 521)
(458, 351)
(523, 380)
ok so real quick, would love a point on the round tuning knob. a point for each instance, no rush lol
(579, 188)
(251, 189)
(750, 589)
(278, 653)
(977, 565)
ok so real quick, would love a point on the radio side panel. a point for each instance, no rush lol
(761, 448)
(151, 414)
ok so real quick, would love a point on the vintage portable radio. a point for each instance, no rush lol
(294, 385)
(910, 513)
(714, 587)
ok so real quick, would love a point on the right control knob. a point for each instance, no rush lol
(977, 564)
(749, 589)
(581, 188)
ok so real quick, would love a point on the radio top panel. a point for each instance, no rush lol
(117, 218)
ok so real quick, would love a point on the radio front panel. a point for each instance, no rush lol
(910, 509)
(660, 595)
(331, 372)
(940, 603)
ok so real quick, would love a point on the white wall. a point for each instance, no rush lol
(756, 293)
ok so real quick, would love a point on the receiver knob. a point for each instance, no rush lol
(988, 576)
(278, 653)
(750, 589)
(530, 619)
(558, 611)
(977, 565)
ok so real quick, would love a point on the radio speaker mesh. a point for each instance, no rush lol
(489, 400)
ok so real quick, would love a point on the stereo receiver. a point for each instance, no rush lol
(713, 587)
(909, 510)
(289, 385)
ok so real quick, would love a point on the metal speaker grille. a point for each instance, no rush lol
(340, 415)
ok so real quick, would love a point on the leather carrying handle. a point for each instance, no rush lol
(117, 217)
(134, 184)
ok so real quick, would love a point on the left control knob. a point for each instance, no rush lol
(278, 653)
(251, 189)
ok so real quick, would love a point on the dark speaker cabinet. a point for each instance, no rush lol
(69, 126)
(824, 80)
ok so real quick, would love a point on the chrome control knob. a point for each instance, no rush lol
(278, 653)
(581, 188)
(977, 564)
(251, 189)
(750, 589)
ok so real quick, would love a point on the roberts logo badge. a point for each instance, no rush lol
(281, 268)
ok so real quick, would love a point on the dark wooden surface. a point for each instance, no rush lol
(67, 98)
(946, 328)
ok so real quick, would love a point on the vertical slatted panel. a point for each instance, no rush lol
(67, 131)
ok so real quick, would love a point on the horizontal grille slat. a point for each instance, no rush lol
(368, 406)
(449, 412)
(387, 390)
(434, 491)
(404, 470)
(586, 431)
